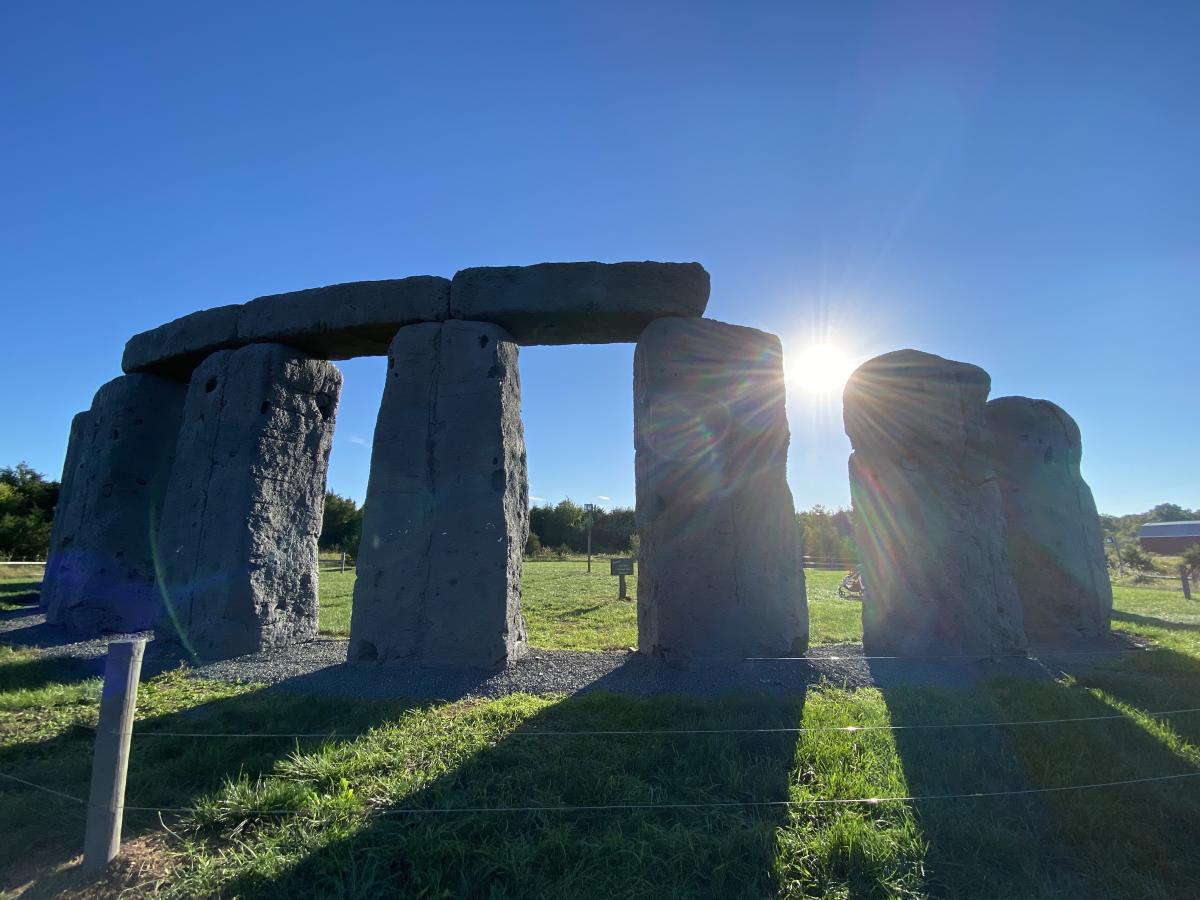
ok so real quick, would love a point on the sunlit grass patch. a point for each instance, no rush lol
(566, 608)
(842, 850)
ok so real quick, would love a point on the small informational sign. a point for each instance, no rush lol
(620, 567)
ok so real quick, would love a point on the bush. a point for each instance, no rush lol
(533, 544)
(27, 501)
(1137, 558)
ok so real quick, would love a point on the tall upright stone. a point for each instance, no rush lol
(447, 509)
(721, 572)
(928, 516)
(100, 572)
(61, 563)
(243, 508)
(1055, 543)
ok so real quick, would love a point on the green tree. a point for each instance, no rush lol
(27, 501)
(341, 524)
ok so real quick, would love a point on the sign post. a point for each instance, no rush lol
(621, 568)
(590, 509)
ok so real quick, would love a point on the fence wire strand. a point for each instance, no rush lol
(668, 732)
(43, 788)
(702, 804)
(644, 807)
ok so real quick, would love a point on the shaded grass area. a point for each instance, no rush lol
(368, 811)
(19, 586)
(566, 608)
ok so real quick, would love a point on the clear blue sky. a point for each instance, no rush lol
(1016, 185)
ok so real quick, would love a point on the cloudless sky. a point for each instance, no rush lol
(1015, 185)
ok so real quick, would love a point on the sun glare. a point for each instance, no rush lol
(819, 368)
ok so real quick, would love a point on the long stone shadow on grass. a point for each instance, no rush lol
(701, 851)
(163, 771)
(1135, 840)
(1153, 621)
(1159, 680)
(986, 847)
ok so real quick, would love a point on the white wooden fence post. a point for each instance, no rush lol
(110, 761)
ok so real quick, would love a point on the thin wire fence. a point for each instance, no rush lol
(647, 807)
(677, 732)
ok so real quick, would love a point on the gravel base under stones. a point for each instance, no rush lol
(320, 668)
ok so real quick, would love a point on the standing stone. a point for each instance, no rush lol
(61, 563)
(447, 509)
(244, 503)
(721, 572)
(928, 517)
(100, 574)
(1055, 543)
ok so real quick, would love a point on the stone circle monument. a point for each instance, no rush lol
(207, 462)
(193, 489)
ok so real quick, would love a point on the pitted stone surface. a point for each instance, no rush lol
(721, 573)
(929, 520)
(243, 507)
(447, 510)
(100, 574)
(1055, 543)
(334, 322)
(579, 303)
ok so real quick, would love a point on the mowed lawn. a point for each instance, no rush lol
(568, 608)
(520, 797)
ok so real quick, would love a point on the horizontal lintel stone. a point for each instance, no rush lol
(339, 321)
(580, 302)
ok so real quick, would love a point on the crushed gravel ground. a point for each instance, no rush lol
(319, 668)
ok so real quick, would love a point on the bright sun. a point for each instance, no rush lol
(819, 369)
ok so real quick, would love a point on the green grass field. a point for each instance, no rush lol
(568, 609)
(370, 812)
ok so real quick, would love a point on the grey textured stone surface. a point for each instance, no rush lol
(334, 322)
(176, 348)
(929, 520)
(1055, 543)
(61, 564)
(447, 509)
(243, 507)
(100, 574)
(578, 303)
(721, 574)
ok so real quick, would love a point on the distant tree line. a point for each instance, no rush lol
(27, 501)
(563, 528)
(827, 533)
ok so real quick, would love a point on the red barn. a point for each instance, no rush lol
(1171, 538)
